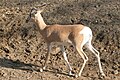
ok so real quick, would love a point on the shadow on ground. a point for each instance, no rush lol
(8, 63)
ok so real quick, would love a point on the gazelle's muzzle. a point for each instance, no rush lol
(29, 17)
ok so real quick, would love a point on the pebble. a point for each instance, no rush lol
(114, 67)
(116, 72)
(3, 73)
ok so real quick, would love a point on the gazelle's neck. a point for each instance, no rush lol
(40, 22)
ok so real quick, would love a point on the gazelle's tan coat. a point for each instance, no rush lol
(79, 35)
(59, 33)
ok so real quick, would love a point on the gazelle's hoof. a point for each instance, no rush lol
(44, 68)
(103, 74)
(70, 73)
(76, 76)
(41, 70)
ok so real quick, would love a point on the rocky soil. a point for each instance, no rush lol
(23, 50)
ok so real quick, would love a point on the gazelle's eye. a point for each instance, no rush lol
(35, 12)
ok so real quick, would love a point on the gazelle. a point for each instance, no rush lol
(78, 35)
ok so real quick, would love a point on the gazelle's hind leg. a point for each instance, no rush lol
(84, 57)
(96, 53)
(79, 45)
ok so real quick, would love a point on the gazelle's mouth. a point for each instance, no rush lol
(27, 20)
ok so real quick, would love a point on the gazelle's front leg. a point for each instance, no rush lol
(66, 60)
(47, 57)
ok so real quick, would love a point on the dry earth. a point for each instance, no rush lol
(22, 49)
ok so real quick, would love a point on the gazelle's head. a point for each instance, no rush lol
(34, 12)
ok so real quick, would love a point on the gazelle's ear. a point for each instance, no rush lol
(41, 7)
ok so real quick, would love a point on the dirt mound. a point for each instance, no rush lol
(23, 50)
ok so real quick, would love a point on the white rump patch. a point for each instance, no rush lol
(87, 34)
(86, 31)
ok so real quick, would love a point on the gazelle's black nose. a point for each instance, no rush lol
(26, 20)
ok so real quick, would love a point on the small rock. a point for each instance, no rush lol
(6, 50)
(116, 72)
(114, 67)
(4, 74)
(27, 50)
(102, 60)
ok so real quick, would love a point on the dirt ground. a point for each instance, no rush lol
(23, 50)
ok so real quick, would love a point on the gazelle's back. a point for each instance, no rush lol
(61, 33)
